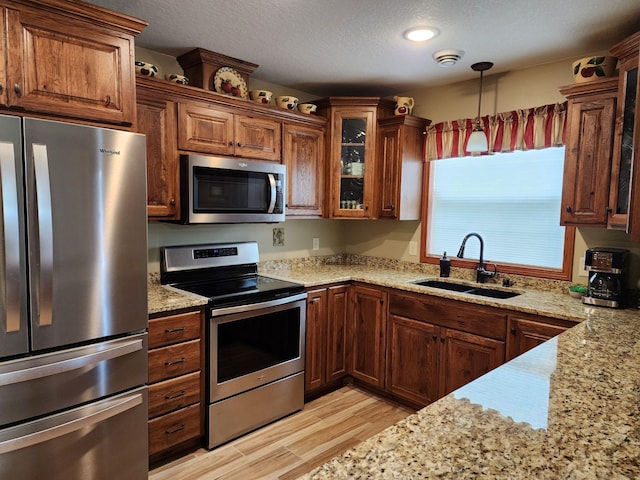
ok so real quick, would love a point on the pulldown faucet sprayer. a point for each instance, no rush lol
(481, 273)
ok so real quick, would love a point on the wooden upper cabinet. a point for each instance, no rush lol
(70, 59)
(157, 120)
(303, 154)
(351, 156)
(400, 162)
(622, 181)
(589, 143)
(206, 129)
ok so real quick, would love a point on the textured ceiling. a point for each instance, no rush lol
(356, 47)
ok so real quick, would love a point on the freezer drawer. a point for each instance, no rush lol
(105, 440)
(42, 384)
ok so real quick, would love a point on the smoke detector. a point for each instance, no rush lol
(449, 57)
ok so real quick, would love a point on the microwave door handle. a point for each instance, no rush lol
(45, 234)
(10, 294)
(272, 184)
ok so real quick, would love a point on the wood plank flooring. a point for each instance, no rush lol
(294, 445)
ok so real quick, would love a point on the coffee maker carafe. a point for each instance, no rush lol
(607, 269)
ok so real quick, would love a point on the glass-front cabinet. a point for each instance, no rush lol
(621, 165)
(352, 156)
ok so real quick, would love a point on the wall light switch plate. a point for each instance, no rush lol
(413, 248)
(316, 244)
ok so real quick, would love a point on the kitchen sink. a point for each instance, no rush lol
(466, 288)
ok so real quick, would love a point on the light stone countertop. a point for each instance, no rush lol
(568, 409)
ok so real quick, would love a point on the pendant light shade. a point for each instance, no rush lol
(478, 140)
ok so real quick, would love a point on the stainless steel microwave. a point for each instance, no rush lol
(231, 190)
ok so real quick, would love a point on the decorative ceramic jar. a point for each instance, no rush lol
(175, 78)
(593, 68)
(260, 96)
(307, 108)
(146, 69)
(287, 102)
(404, 105)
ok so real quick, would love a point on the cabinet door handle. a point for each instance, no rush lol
(231, 143)
(17, 89)
(239, 145)
(366, 206)
(441, 339)
(107, 101)
(434, 337)
(569, 210)
(175, 429)
(381, 301)
(513, 331)
(172, 202)
(391, 207)
(1, 88)
(171, 396)
(174, 362)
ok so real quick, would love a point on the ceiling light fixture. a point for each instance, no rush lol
(448, 57)
(421, 34)
(478, 140)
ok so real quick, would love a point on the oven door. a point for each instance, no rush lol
(253, 345)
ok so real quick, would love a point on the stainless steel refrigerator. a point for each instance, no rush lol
(73, 302)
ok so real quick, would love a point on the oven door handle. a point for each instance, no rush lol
(218, 312)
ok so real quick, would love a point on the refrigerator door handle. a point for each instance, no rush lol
(10, 288)
(38, 435)
(45, 235)
(53, 368)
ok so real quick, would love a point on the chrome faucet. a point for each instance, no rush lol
(481, 273)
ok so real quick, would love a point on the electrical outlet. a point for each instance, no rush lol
(316, 244)
(583, 269)
(413, 248)
(278, 237)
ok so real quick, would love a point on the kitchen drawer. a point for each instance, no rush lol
(174, 428)
(462, 316)
(173, 394)
(174, 329)
(174, 360)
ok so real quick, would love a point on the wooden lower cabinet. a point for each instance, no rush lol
(412, 359)
(367, 334)
(326, 337)
(175, 382)
(529, 331)
(427, 357)
(465, 357)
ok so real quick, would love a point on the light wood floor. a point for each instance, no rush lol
(294, 445)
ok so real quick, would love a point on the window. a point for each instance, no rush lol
(511, 199)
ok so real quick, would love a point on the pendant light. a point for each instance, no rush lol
(478, 140)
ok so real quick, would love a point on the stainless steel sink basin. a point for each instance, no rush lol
(466, 288)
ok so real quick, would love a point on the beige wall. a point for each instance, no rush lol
(502, 92)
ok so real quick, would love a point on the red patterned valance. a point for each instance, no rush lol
(531, 128)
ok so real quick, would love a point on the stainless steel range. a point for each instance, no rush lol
(255, 335)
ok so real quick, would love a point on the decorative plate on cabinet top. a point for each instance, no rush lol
(229, 82)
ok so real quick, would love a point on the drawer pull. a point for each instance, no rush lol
(174, 362)
(174, 330)
(171, 396)
(175, 429)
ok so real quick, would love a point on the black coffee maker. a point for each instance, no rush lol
(607, 269)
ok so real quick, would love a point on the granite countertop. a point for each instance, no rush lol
(567, 409)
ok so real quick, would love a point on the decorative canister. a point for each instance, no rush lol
(176, 78)
(287, 101)
(589, 69)
(260, 96)
(146, 69)
(308, 108)
(404, 105)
